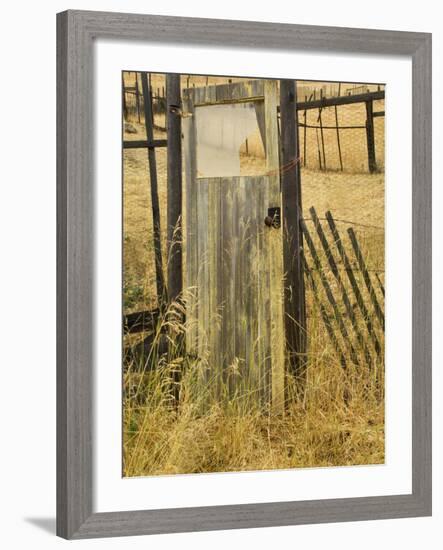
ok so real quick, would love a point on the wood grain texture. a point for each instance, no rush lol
(75, 206)
(174, 185)
(75, 33)
(233, 317)
(234, 92)
(274, 243)
(190, 215)
(422, 273)
(196, 30)
(295, 321)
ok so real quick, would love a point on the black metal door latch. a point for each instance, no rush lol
(273, 219)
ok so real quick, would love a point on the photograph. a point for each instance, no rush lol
(253, 274)
(218, 220)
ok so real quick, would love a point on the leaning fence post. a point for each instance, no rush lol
(147, 103)
(382, 288)
(366, 277)
(323, 312)
(344, 295)
(328, 291)
(352, 280)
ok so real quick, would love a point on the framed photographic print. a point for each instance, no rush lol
(244, 274)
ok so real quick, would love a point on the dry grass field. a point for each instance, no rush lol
(340, 420)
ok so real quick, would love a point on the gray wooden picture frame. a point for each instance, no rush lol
(76, 32)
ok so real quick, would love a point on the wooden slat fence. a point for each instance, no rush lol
(348, 296)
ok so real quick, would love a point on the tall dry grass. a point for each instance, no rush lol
(173, 424)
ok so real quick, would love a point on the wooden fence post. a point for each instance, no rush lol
(174, 189)
(125, 107)
(149, 123)
(304, 135)
(318, 150)
(274, 244)
(137, 97)
(366, 277)
(295, 322)
(338, 131)
(370, 136)
(322, 139)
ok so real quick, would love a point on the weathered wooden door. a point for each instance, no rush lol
(233, 250)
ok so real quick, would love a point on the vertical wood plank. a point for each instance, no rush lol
(213, 282)
(174, 186)
(338, 131)
(137, 97)
(233, 284)
(174, 220)
(264, 297)
(252, 292)
(295, 322)
(241, 279)
(203, 280)
(228, 282)
(125, 106)
(320, 120)
(275, 247)
(372, 165)
(191, 225)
